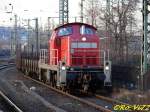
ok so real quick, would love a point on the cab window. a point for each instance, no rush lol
(65, 31)
(86, 30)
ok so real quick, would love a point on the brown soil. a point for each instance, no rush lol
(132, 97)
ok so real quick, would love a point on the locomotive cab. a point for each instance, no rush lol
(74, 47)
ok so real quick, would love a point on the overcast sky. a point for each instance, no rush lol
(38, 8)
(34, 8)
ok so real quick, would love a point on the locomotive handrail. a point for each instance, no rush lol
(105, 52)
(43, 56)
(104, 55)
(99, 59)
(54, 62)
(53, 56)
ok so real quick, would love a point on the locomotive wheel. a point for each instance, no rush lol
(53, 80)
(26, 72)
(44, 78)
(62, 89)
(39, 78)
(85, 87)
(93, 86)
(92, 90)
(109, 89)
(34, 75)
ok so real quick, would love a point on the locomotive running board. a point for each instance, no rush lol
(49, 67)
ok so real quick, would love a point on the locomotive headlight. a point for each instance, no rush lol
(63, 68)
(83, 38)
(71, 69)
(106, 67)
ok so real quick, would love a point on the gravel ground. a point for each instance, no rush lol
(61, 101)
(22, 97)
(133, 97)
(33, 97)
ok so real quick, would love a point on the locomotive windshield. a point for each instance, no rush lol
(86, 30)
(65, 31)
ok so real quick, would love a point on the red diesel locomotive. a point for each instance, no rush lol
(74, 59)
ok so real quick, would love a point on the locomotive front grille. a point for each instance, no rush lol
(84, 60)
(90, 60)
(77, 60)
(84, 53)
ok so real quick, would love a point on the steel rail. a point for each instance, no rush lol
(10, 103)
(106, 99)
(5, 98)
(110, 100)
(6, 66)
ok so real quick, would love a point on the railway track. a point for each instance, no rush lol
(12, 107)
(101, 103)
(3, 67)
(6, 66)
(43, 95)
(110, 100)
(9, 104)
(105, 102)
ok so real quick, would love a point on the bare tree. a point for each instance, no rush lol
(119, 20)
(92, 9)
